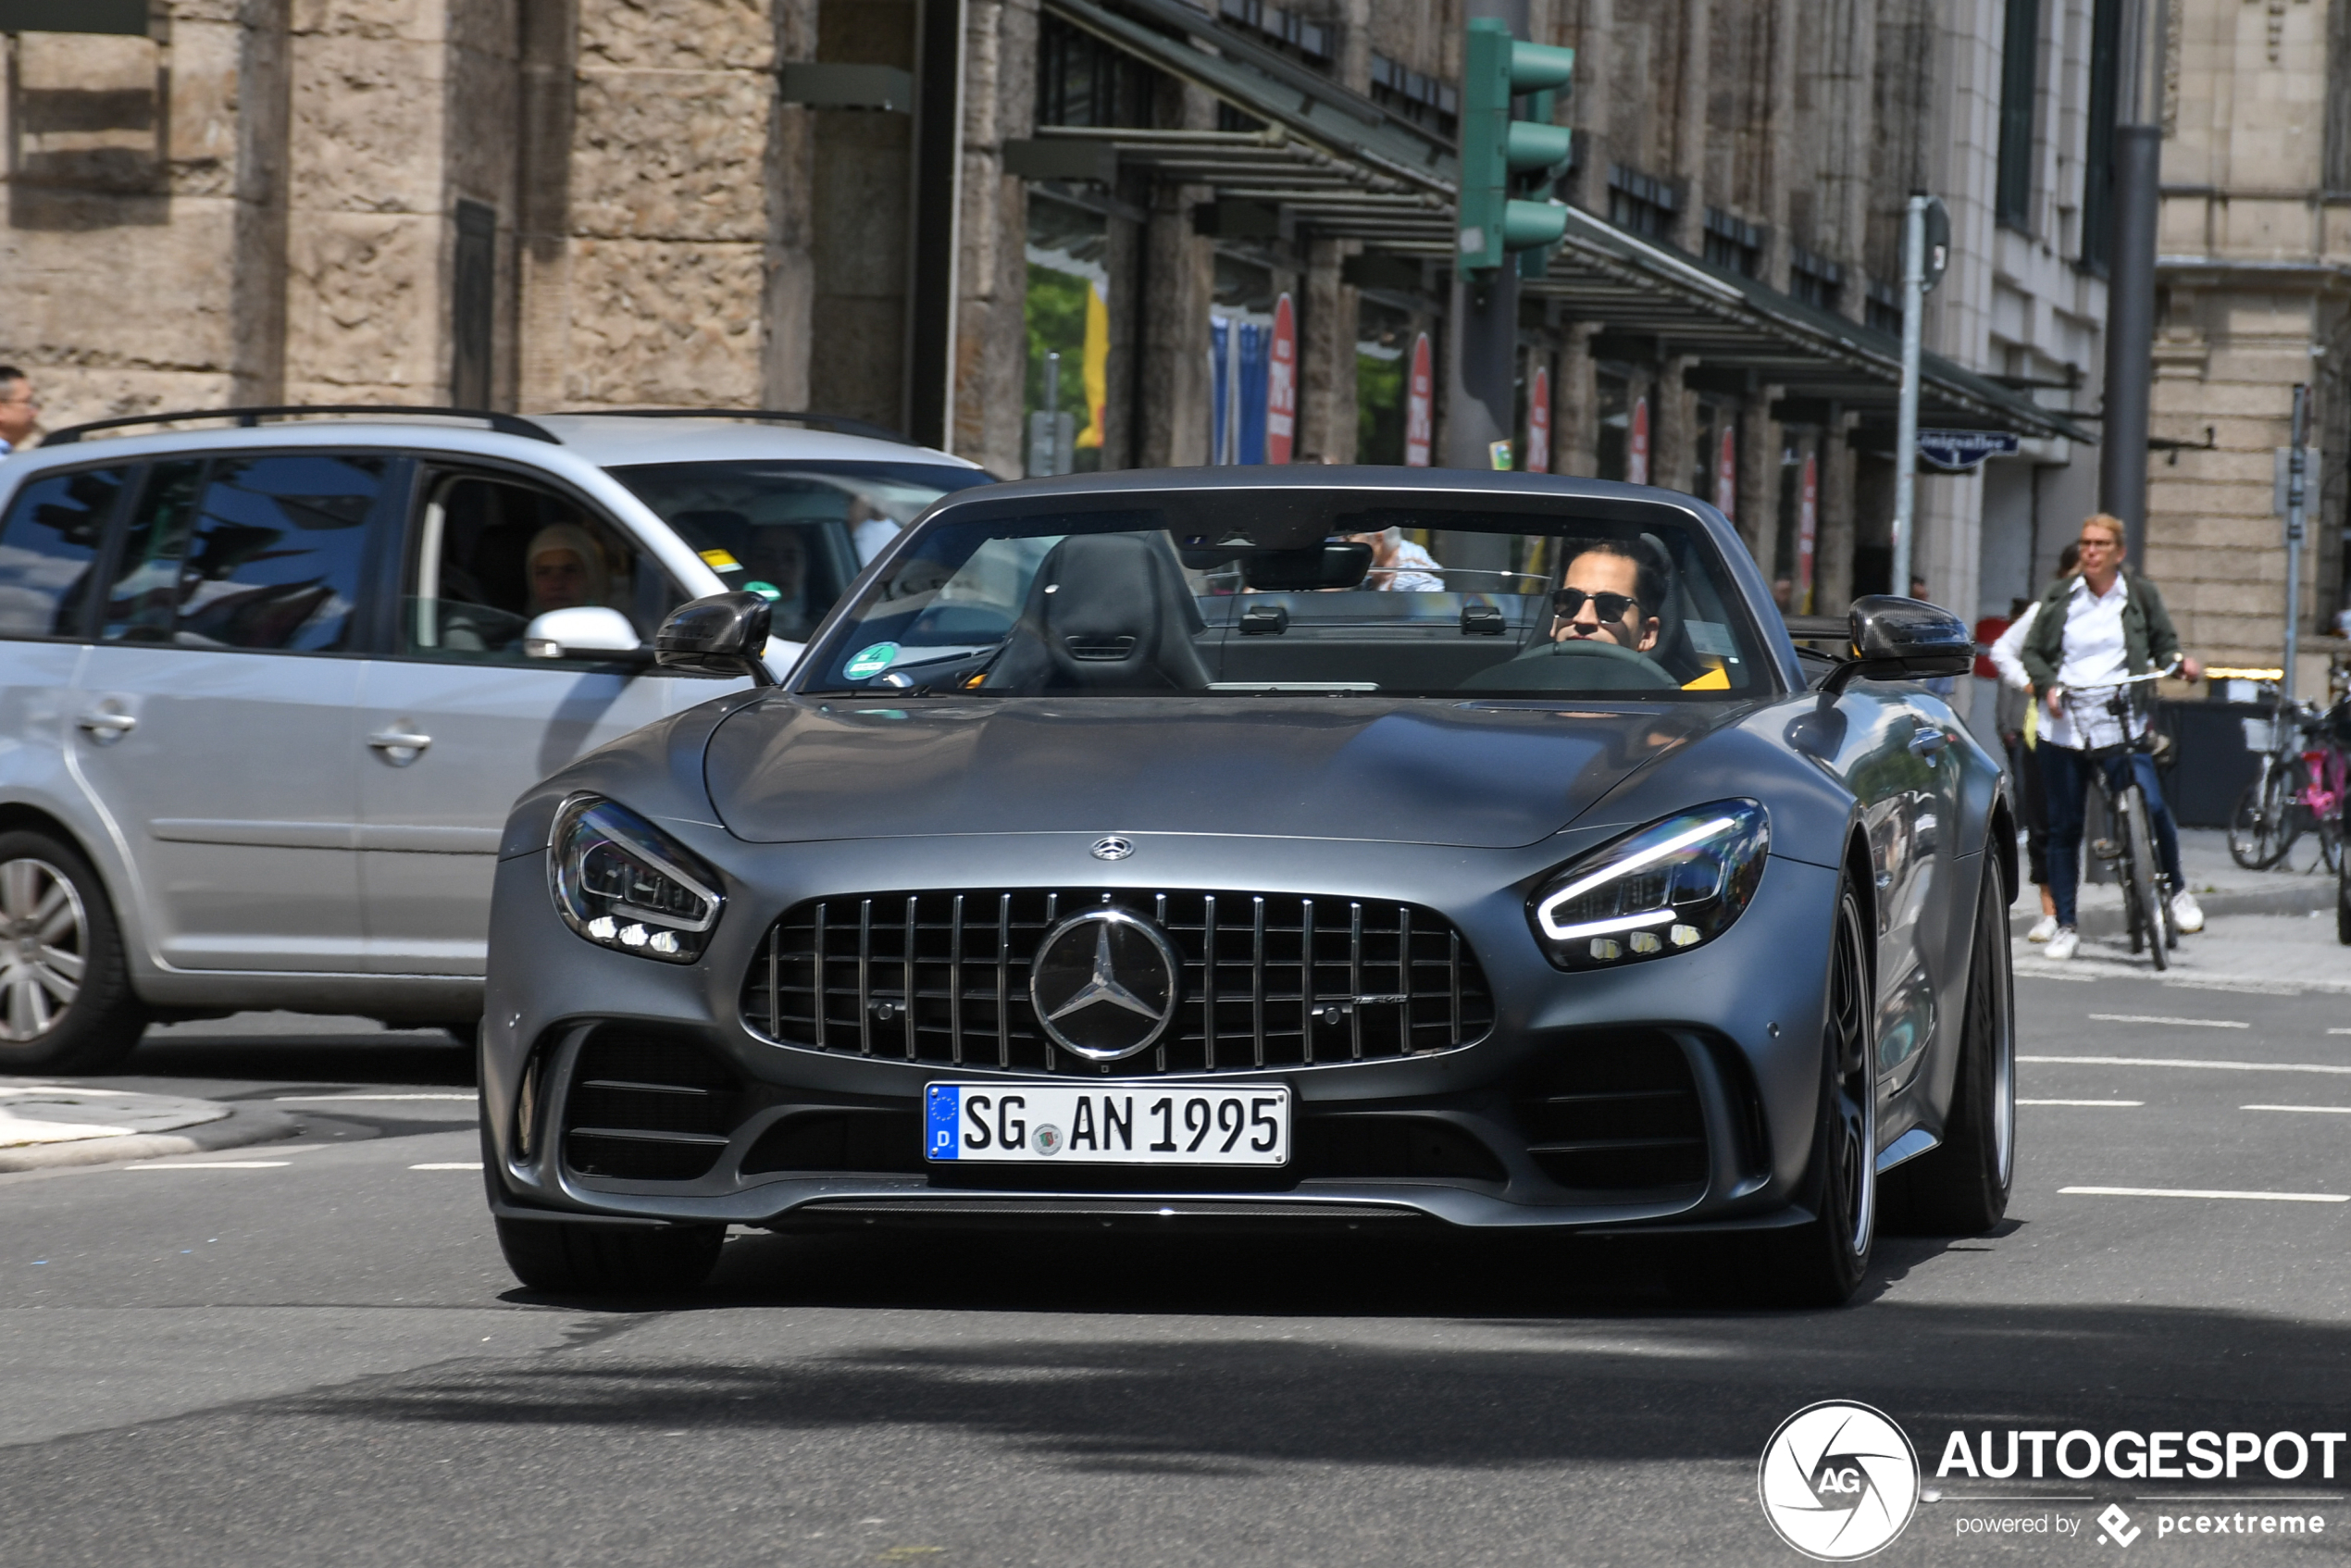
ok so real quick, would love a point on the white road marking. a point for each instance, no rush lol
(208, 1165)
(2081, 1102)
(450, 1165)
(2180, 1023)
(2339, 1031)
(2201, 1192)
(321, 1097)
(2178, 1062)
(2330, 1110)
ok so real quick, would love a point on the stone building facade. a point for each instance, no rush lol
(890, 209)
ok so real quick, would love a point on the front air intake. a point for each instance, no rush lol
(647, 1107)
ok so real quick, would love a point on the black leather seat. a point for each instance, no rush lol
(1106, 612)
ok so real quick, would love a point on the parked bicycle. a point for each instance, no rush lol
(2116, 714)
(2300, 785)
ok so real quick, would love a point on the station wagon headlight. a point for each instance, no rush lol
(621, 883)
(1663, 890)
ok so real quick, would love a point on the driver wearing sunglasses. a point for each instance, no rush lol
(1601, 598)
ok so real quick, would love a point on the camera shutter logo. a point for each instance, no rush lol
(1838, 1481)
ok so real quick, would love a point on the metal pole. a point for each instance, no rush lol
(2130, 290)
(2297, 461)
(1905, 435)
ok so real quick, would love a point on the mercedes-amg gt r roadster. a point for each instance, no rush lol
(1319, 848)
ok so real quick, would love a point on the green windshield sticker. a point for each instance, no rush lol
(870, 661)
(767, 590)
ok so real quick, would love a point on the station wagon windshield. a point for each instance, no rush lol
(1306, 595)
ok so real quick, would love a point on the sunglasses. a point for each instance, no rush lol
(1567, 603)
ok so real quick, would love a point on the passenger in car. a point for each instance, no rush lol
(1399, 565)
(1608, 593)
(566, 569)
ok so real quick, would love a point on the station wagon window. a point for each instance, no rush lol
(489, 554)
(48, 546)
(263, 552)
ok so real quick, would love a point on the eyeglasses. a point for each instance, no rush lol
(1567, 603)
(2101, 543)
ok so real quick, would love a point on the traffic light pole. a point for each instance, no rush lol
(1906, 436)
(1480, 375)
(2296, 463)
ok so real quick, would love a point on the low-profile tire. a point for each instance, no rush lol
(1961, 1188)
(597, 1259)
(66, 1002)
(1821, 1263)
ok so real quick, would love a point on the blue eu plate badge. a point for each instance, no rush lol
(946, 1110)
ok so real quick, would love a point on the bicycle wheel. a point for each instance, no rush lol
(2141, 887)
(2261, 828)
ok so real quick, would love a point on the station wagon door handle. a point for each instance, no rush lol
(399, 746)
(107, 725)
(1926, 742)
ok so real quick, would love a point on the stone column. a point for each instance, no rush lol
(791, 241)
(1693, 89)
(1833, 550)
(1178, 285)
(991, 282)
(1327, 356)
(542, 201)
(1673, 427)
(1759, 482)
(1573, 396)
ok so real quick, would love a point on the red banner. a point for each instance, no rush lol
(1420, 405)
(1726, 473)
(1538, 422)
(1807, 531)
(1636, 443)
(1281, 384)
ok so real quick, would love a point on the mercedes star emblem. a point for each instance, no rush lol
(1113, 848)
(1105, 984)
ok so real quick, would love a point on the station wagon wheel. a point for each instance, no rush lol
(65, 996)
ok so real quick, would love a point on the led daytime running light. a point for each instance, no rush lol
(1647, 858)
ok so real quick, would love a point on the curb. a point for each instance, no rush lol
(245, 1124)
(2299, 895)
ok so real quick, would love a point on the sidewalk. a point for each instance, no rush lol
(2275, 955)
(2220, 885)
(49, 1124)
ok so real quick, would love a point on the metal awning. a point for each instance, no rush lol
(1344, 167)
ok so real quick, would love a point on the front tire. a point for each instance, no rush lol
(66, 1003)
(1961, 1186)
(1822, 1263)
(2145, 889)
(594, 1259)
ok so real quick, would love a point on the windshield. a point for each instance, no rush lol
(795, 533)
(1307, 594)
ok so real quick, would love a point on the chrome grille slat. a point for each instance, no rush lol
(954, 967)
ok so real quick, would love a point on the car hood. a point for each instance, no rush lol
(1471, 773)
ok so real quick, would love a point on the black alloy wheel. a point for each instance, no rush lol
(1821, 1263)
(574, 1258)
(66, 1003)
(1961, 1186)
(2143, 887)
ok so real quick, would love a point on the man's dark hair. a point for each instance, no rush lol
(10, 373)
(1648, 583)
(2068, 558)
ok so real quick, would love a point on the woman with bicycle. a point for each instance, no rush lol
(2095, 639)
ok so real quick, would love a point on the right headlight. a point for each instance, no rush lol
(622, 883)
(1658, 891)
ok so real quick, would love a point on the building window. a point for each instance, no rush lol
(2019, 72)
(473, 306)
(1424, 100)
(1883, 309)
(1735, 243)
(2097, 152)
(1279, 25)
(1815, 280)
(1082, 81)
(1641, 203)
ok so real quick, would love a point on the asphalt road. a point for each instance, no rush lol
(310, 1352)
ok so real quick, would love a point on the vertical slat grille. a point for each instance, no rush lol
(943, 977)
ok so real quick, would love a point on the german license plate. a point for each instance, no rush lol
(1161, 1125)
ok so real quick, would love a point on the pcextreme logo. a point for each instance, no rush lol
(1838, 1481)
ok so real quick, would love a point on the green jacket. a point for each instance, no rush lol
(2148, 639)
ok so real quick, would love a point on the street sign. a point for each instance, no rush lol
(1497, 147)
(1281, 384)
(1636, 443)
(1420, 405)
(1539, 421)
(1958, 451)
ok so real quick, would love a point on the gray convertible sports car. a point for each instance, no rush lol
(1345, 848)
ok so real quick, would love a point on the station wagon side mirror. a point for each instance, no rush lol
(1897, 639)
(589, 631)
(723, 635)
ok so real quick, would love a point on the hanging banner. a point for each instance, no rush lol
(1419, 406)
(1636, 444)
(1807, 530)
(1538, 422)
(1726, 473)
(1281, 385)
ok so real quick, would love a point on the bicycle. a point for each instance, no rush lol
(2146, 888)
(2300, 785)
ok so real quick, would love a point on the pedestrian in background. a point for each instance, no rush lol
(2090, 630)
(2014, 717)
(19, 413)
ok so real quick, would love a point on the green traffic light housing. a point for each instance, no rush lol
(1499, 153)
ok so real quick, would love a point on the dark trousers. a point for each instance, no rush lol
(2065, 775)
(2025, 762)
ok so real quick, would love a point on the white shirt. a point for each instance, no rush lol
(2008, 650)
(1402, 578)
(2095, 654)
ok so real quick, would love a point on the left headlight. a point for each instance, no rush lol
(1661, 889)
(622, 883)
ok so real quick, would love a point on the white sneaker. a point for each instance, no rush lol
(2061, 946)
(2185, 912)
(2043, 929)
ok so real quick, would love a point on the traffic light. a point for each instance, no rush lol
(1499, 152)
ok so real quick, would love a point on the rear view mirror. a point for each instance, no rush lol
(1902, 639)
(583, 631)
(724, 635)
(1304, 571)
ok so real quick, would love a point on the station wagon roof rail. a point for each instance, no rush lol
(504, 424)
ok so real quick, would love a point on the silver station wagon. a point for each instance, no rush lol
(267, 690)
